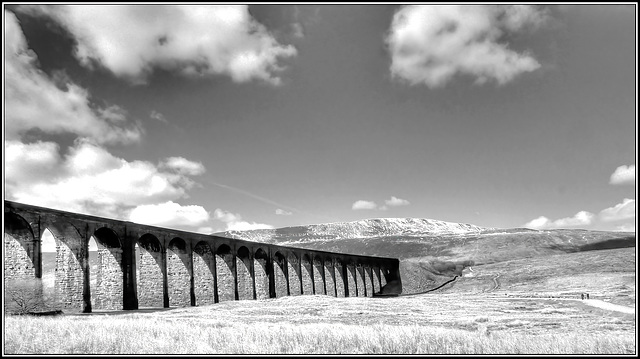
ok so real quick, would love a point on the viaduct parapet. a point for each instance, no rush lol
(141, 266)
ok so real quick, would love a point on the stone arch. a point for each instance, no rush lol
(368, 281)
(108, 293)
(48, 260)
(178, 273)
(20, 248)
(339, 278)
(306, 277)
(362, 290)
(384, 273)
(330, 277)
(71, 275)
(351, 281)
(261, 274)
(224, 274)
(149, 271)
(376, 279)
(281, 285)
(318, 275)
(204, 272)
(295, 275)
(243, 273)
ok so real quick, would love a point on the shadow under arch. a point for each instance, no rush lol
(72, 290)
(362, 289)
(294, 274)
(204, 273)
(281, 285)
(330, 277)
(109, 291)
(178, 273)
(318, 275)
(225, 277)
(21, 249)
(351, 290)
(339, 269)
(149, 271)
(306, 277)
(243, 273)
(261, 274)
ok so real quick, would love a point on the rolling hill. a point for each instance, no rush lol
(432, 252)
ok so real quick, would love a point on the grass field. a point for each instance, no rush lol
(424, 324)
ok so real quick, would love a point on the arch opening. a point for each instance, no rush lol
(109, 277)
(261, 274)
(295, 275)
(243, 274)
(224, 273)
(306, 277)
(280, 267)
(149, 272)
(204, 269)
(318, 276)
(178, 274)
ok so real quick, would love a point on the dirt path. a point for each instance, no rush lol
(609, 306)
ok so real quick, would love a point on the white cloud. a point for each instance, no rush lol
(158, 116)
(88, 179)
(361, 204)
(132, 40)
(620, 217)
(234, 222)
(623, 175)
(33, 100)
(169, 214)
(580, 219)
(431, 44)
(538, 223)
(621, 211)
(184, 166)
(282, 212)
(395, 202)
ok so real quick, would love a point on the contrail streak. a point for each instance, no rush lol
(263, 199)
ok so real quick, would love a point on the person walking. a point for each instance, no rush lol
(582, 296)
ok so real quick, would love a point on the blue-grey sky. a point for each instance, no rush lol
(208, 118)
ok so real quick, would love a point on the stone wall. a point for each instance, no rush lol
(145, 266)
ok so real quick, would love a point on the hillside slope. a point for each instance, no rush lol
(432, 252)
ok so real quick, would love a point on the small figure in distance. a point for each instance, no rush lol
(581, 295)
(587, 295)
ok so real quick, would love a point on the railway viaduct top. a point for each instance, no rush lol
(139, 266)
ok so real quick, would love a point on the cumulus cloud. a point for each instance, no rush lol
(282, 212)
(234, 222)
(395, 202)
(87, 179)
(362, 204)
(54, 105)
(620, 217)
(132, 40)
(623, 175)
(580, 219)
(621, 211)
(431, 44)
(184, 166)
(169, 214)
(158, 116)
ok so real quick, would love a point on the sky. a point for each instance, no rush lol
(210, 118)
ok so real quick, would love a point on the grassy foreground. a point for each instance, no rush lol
(444, 324)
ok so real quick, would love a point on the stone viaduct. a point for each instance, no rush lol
(141, 266)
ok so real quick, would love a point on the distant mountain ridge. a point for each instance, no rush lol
(367, 228)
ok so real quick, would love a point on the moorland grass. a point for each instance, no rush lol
(153, 335)
(443, 324)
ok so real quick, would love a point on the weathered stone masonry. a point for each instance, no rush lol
(147, 266)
